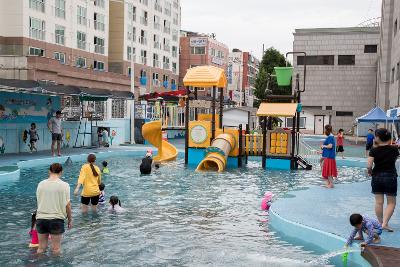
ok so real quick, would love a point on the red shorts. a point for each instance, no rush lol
(329, 168)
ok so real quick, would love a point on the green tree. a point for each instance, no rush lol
(271, 58)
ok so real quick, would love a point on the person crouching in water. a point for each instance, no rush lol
(147, 161)
(115, 204)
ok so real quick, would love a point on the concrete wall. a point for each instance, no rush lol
(348, 88)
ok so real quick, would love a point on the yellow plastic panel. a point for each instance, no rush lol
(205, 76)
(199, 134)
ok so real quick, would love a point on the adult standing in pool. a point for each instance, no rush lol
(53, 207)
(329, 169)
(90, 179)
(382, 167)
(56, 131)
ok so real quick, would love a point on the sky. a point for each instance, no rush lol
(248, 24)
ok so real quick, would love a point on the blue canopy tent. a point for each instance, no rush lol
(376, 115)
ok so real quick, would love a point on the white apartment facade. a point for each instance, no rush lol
(341, 74)
(148, 35)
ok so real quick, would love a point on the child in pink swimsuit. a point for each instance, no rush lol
(33, 233)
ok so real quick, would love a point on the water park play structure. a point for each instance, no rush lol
(212, 146)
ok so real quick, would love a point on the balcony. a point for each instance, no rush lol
(99, 26)
(157, 45)
(167, 30)
(81, 45)
(167, 48)
(173, 86)
(131, 59)
(131, 37)
(165, 84)
(37, 34)
(166, 66)
(156, 64)
(99, 49)
(173, 70)
(60, 39)
(143, 60)
(157, 26)
(158, 7)
(143, 80)
(167, 11)
(144, 21)
(156, 82)
(174, 53)
(143, 40)
(82, 20)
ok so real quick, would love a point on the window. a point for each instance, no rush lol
(328, 108)
(176, 5)
(60, 35)
(165, 62)
(99, 22)
(156, 82)
(131, 12)
(143, 56)
(98, 45)
(289, 122)
(129, 53)
(156, 62)
(145, 2)
(317, 60)
(220, 54)
(81, 40)
(167, 26)
(370, 48)
(59, 8)
(174, 70)
(37, 29)
(174, 51)
(99, 3)
(157, 25)
(213, 52)
(38, 5)
(392, 77)
(143, 73)
(346, 60)
(156, 40)
(398, 71)
(167, 8)
(167, 48)
(175, 19)
(344, 113)
(82, 15)
(59, 56)
(395, 27)
(98, 65)
(157, 5)
(198, 50)
(143, 37)
(144, 18)
(34, 51)
(118, 108)
(81, 62)
(175, 35)
(131, 33)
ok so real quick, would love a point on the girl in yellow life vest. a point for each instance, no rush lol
(90, 179)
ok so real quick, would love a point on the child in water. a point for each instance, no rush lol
(105, 169)
(102, 197)
(33, 233)
(147, 161)
(115, 204)
(362, 223)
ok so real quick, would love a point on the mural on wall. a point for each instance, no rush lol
(112, 136)
(2, 146)
(27, 108)
(67, 139)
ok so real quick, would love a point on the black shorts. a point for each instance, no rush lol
(340, 149)
(51, 226)
(56, 137)
(93, 200)
(384, 184)
(33, 141)
(368, 146)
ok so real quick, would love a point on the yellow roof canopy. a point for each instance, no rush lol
(277, 110)
(205, 76)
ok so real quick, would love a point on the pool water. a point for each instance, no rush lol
(174, 217)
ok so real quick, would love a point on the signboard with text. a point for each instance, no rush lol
(198, 41)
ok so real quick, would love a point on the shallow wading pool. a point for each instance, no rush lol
(174, 217)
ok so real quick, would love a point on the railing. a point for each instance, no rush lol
(307, 152)
(99, 49)
(99, 26)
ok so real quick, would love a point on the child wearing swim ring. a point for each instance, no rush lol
(33, 232)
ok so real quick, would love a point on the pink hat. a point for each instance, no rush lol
(268, 195)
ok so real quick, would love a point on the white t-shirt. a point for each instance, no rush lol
(55, 125)
(52, 199)
(117, 208)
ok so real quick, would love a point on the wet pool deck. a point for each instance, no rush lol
(321, 215)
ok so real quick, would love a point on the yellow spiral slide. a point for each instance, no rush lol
(152, 133)
(217, 154)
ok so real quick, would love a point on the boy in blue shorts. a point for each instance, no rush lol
(370, 142)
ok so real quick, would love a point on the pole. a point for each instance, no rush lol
(187, 126)
(292, 161)
(240, 146)
(221, 106)
(133, 92)
(264, 148)
(195, 109)
(245, 139)
(213, 114)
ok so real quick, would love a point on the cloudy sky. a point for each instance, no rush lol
(247, 24)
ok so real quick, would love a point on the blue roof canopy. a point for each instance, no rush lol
(376, 115)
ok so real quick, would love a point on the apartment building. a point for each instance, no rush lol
(341, 74)
(145, 34)
(242, 71)
(200, 49)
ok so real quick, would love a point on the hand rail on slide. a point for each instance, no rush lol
(307, 152)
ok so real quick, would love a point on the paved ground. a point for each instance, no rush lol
(329, 210)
